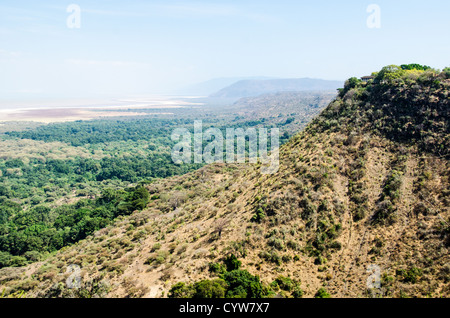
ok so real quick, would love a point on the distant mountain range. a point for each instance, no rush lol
(212, 86)
(255, 87)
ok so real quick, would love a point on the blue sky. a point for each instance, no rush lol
(126, 48)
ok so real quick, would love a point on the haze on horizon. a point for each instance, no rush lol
(138, 48)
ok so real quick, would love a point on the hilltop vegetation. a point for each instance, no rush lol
(408, 104)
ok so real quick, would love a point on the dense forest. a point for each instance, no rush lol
(26, 236)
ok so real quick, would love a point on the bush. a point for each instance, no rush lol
(298, 293)
(447, 72)
(181, 290)
(243, 285)
(320, 260)
(232, 263)
(155, 247)
(17, 261)
(336, 245)
(284, 283)
(158, 258)
(322, 293)
(33, 256)
(276, 243)
(217, 268)
(5, 259)
(385, 213)
(415, 67)
(210, 288)
(411, 275)
(271, 256)
(390, 73)
(258, 216)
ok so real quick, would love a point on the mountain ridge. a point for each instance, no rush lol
(251, 88)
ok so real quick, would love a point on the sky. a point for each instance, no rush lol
(133, 48)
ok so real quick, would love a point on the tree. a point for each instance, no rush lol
(181, 290)
(220, 226)
(322, 293)
(210, 288)
(352, 82)
(242, 284)
(415, 67)
(232, 263)
(177, 199)
(446, 71)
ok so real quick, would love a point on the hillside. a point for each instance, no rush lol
(364, 186)
(289, 111)
(249, 88)
(294, 110)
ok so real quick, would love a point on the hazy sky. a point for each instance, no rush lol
(132, 47)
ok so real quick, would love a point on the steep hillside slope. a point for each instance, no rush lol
(289, 111)
(363, 190)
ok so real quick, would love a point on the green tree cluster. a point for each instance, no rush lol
(27, 234)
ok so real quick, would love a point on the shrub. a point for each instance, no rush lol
(271, 256)
(158, 258)
(243, 285)
(18, 261)
(393, 184)
(320, 260)
(293, 245)
(385, 212)
(322, 293)
(411, 275)
(210, 288)
(415, 67)
(155, 247)
(284, 283)
(181, 290)
(336, 245)
(232, 263)
(217, 268)
(447, 72)
(139, 234)
(276, 243)
(389, 73)
(298, 293)
(258, 216)
(33, 256)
